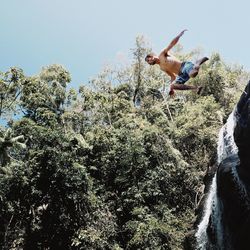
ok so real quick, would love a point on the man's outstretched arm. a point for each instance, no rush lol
(173, 43)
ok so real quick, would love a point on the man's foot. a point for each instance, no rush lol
(199, 90)
(202, 60)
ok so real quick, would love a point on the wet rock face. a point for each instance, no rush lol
(242, 129)
(231, 193)
(233, 183)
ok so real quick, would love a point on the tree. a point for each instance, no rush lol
(11, 83)
(7, 142)
(44, 96)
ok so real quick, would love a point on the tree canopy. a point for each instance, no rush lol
(109, 166)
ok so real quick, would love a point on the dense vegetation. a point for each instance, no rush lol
(109, 166)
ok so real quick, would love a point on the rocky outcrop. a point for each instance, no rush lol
(242, 129)
(233, 182)
(226, 216)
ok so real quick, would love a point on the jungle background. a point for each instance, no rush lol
(108, 165)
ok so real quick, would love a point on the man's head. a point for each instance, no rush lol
(151, 59)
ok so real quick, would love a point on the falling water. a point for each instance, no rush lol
(226, 146)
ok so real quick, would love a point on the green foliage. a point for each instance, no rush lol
(11, 83)
(221, 81)
(44, 96)
(92, 170)
(7, 141)
(53, 190)
(197, 129)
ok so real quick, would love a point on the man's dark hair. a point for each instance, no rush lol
(149, 55)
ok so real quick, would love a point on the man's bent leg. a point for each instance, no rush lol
(182, 86)
(194, 72)
(177, 86)
(201, 61)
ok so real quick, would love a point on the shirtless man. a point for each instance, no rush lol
(179, 72)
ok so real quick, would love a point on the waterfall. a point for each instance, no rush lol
(201, 234)
(226, 146)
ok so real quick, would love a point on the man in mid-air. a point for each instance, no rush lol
(179, 72)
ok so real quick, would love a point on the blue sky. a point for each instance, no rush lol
(85, 35)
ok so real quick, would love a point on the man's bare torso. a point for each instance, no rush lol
(169, 64)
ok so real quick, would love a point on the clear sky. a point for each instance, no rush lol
(85, 35)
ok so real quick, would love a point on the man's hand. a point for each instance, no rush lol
(182, 32)
(171, 93)
(171, 90)
(172, 44)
